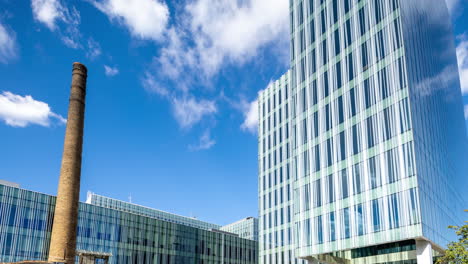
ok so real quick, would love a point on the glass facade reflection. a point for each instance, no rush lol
(437, 117)
(377, 144)
(26, 222)
(276, 183)
(111, 203)
(246, 228)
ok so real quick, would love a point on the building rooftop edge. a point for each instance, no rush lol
(86, 202)
(54, 196)
(90, 194)
(241, 220)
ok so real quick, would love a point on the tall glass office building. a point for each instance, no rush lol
(377, 135)
(276, 180)
(26, 222)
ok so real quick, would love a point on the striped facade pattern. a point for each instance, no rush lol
(26, 222)
(439, 130)
(371, 98)
(246, 228)
(276, 238)
(352, 134)
(115, 204)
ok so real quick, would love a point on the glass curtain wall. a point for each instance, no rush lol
(353, 140)
(26, 222)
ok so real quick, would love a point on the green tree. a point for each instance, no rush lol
(457, 252)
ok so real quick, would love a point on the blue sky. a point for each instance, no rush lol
(171, 92)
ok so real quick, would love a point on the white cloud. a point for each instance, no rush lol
(206, 142)
(447, 77)
(145, 19)
(188, 111)
(21, 111)
(186, 108)
(47, 12)
(176, 55)
(236, 29)
(8, 47)
(213, 33)
(151, 85)
(94, 49)
(210, 35)
(111, 71)
(58, 17)
(251, 118)
(462, 56)
(250, 112)
(453, 5)
(466, 112)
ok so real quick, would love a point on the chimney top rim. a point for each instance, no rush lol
(80, 65)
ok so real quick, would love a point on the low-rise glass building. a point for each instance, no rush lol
(26, 222)
(246, 228)
(112, 203)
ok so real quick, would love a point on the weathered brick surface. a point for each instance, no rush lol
(63, 239)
